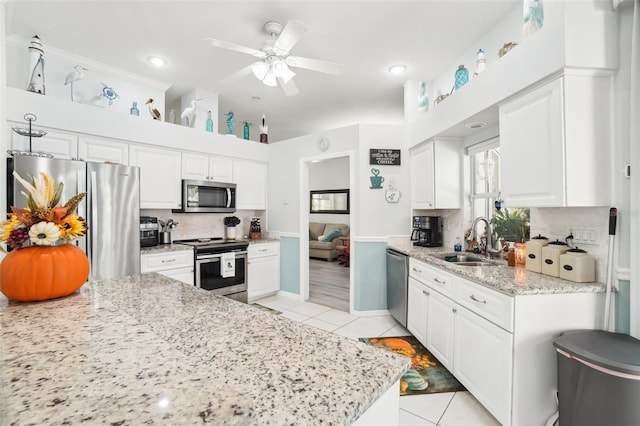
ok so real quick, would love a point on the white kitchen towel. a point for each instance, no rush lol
(228, 265)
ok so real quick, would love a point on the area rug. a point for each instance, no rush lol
(426, 374)
(264, 308)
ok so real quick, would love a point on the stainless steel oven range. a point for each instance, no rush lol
(220, 266)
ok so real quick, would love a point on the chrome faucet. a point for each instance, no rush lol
(483, 246)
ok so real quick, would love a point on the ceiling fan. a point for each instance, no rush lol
(273, 68)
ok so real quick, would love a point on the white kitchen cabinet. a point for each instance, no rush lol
(251, 181)
(440, 327)
(103, 150)
(58, 144)
(483, 360)
(204, 167)
(160, 176)
(436, 174)
(555, 143)
(263, 269)
(417, 305)
(178, 265)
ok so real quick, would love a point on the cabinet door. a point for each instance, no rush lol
(251, 185)
(440, 327)
(103, 150)
(60, 145)
(422, 177)
(532, 154)
(417, 304)
(263, 276)
(160, 176)
(195, 167)
(221, 169)
(483, 362)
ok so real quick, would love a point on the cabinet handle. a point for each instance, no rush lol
(454, 310)
(475, 299)
(425, 292)
(438, 281)
(263, 250)
(417, 269)
(168, 260)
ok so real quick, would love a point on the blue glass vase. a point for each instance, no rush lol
(462, 76)
(134, 109)
(209, 123)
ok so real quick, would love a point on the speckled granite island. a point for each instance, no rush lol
(151, 350)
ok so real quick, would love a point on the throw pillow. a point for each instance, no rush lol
(333, 234)
(321, 238)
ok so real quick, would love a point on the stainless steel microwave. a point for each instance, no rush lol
(201, 196)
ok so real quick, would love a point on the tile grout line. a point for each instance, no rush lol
(446, 408)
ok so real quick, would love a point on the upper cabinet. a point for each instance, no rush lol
(160, 176)
(251, 181)
(555, 143)
(102, 150)
(204, 167)
(436, 174)
(58, 144)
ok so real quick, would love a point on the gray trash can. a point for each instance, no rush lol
(598, 378)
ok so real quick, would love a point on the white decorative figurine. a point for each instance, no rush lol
(36, 66)
(73, 76)
(189, 113)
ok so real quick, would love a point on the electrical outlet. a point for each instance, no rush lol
(584, 235)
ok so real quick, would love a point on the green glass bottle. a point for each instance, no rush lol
(246, 130)
(209, 122)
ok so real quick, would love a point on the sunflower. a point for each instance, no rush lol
(44, 233)
(10, 225)
(71, 227)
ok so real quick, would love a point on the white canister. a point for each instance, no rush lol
(578, 266)
(551, 257)
(534, 253)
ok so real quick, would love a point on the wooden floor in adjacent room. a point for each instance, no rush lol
(329, 284)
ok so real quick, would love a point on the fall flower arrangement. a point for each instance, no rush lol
(42, 222)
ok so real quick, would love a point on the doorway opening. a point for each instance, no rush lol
(326, 249)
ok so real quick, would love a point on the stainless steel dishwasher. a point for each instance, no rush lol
(397, 282)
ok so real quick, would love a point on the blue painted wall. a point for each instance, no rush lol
(622, 308)
(370, 276)
(290, 264)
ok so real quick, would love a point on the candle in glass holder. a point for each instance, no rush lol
(521, 254)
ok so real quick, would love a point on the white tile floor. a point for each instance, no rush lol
(443, 409)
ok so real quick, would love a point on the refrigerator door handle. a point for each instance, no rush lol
(92, 246)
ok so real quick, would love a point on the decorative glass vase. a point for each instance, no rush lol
(520, 254)
(246, 130)
(209, 122)
(134, 109)
(39, 273)
(462, 76)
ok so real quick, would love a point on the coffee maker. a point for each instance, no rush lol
(427, 231)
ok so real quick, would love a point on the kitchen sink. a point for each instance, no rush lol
(465, 260)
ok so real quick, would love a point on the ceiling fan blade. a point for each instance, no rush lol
(237, 47)
(315, 65)
(289, 88)
(291, 33)
(238, 75)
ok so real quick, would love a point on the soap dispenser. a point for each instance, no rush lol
(457, 245)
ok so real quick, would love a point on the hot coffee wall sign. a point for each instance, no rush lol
(384, 157)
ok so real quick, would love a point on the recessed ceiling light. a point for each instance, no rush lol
(397, 69)
(476, 125)
(157, 61)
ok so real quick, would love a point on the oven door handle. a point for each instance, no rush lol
(199, 257)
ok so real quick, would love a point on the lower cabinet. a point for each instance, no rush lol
(441, 321)
(482, 361)
(417, 305)
(175, 264)
(264, 269)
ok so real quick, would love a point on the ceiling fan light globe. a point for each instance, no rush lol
(270, 79)
(279, 68)
(288, 75)
(260, 70)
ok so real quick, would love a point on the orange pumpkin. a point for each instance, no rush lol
(41, 273)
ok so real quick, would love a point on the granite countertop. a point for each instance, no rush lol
(148, 349)
(509, 280)
(164, 248)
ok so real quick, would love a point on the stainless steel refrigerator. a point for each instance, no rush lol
(111, 208)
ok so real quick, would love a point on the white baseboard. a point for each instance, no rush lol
(289, 294)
